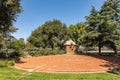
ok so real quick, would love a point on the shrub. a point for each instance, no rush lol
(81, 52)
(6, 54)
(24, 54)
(116, 70)
(61, 52)
(7, 62)
(34, 53)
(47, 51)
(57, 51)
(54, 51)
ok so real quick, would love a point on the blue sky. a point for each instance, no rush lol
(36, 12)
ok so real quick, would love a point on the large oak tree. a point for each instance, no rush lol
(49, 35)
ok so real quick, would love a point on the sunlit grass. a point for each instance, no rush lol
(13, 74)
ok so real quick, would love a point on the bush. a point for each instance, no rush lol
(61, 52)
(116, 71)
(7, 62)
(34, 53)
(57, 51)
(6, 54)
(47, 51)
(81, 52)
(54, 51)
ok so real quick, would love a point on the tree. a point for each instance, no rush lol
(18, 45)
(93, 21)
(77, 32)
(115, 39)
(29, 45)
(49, 35)
(72, 30)
(106, 24)
(9, 10)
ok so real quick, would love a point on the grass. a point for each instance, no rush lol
(7, 62)
(13, 74)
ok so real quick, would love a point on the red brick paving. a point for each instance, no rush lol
(68, 63)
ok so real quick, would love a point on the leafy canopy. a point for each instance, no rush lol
(49, 35)
(9, 10)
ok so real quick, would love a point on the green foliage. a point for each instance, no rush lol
(57, 51)
(7, 62)
(104, 25)
(49, 35)
(1, 39)
(77, 33)
(47, 51)
(14, 50)
(13, 54)
(116, 71)
(18, 45)
(9, 10)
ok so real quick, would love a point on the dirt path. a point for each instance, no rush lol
(68, 63)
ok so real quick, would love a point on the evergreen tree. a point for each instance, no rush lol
(92, 28)
(106, 24)
(109, 27)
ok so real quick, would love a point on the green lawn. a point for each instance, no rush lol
(13, 74)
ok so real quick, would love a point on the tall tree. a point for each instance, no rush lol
(49, 35)
(9, 10)
(109, 27)
(92, 26)
(106, 23)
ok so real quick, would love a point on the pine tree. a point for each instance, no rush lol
(92, 28)
(109, 27)
(106, 23)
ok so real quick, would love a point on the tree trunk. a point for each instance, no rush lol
(52, 45)
(115, 50)
(99, 49)
(100, 46)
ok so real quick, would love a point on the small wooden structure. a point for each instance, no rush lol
(70, 46)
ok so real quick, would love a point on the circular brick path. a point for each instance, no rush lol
(68, 63)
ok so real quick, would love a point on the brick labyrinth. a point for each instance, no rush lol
(68, 63)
